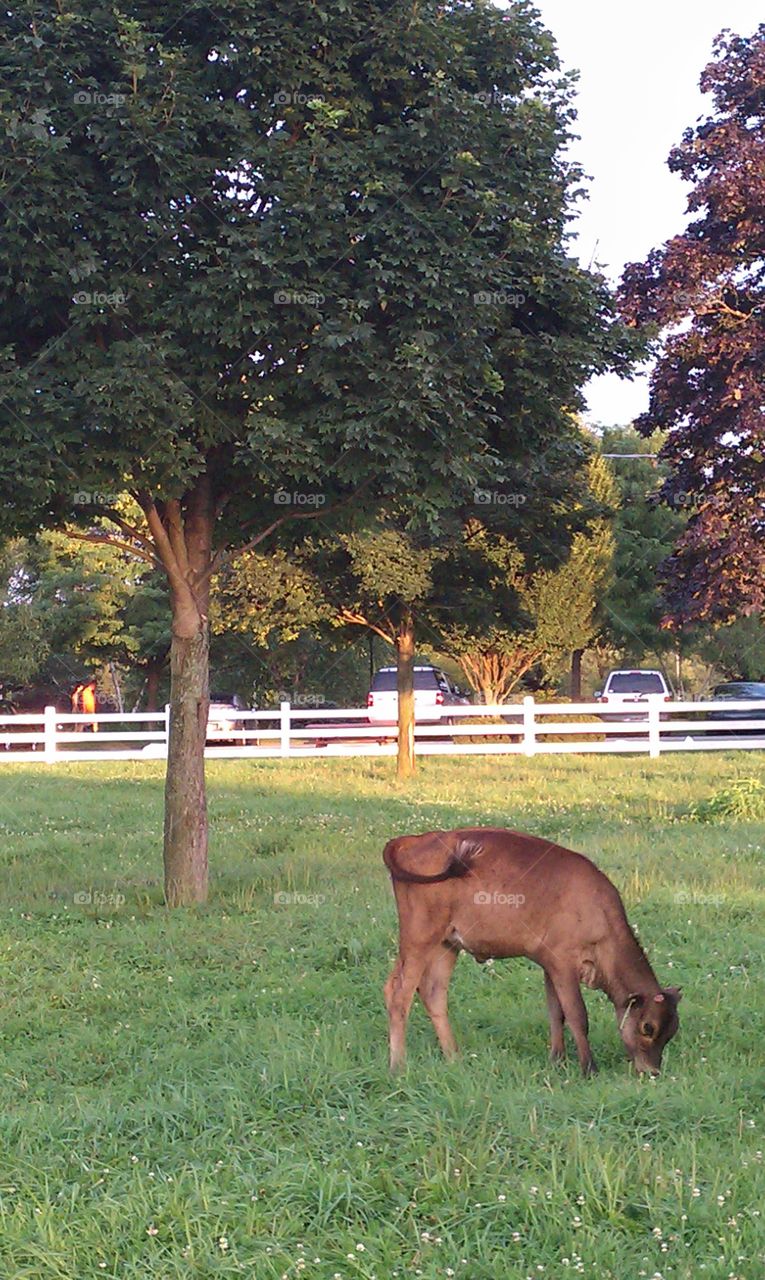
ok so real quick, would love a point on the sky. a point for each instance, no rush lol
(638, 91)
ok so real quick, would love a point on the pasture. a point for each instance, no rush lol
(205, 1094)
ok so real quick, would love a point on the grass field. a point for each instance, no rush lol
(205, 1094)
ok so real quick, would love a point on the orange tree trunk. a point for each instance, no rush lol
(405, 684)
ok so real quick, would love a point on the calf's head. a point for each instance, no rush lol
(648, 1024)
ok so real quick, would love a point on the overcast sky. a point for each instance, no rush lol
(638, 91)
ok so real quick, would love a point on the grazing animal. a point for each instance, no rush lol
(498, 893)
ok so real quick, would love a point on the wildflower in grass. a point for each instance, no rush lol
(151, 1230)
(516, 1237)
(222, 1244)
(502, 1199)
(361, 1248)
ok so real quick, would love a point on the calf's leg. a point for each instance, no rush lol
(433, 991)
(399, 993)
(555, 1014)
(575, 1013)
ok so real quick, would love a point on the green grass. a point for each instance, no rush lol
(205, 1094)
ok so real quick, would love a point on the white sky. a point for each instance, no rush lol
(638, 91)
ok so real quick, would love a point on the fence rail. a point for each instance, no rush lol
(525, 728)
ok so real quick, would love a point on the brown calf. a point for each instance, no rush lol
(497, 893)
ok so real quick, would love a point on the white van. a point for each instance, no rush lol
(433, 695)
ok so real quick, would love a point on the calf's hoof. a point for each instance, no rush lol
(589, 1068)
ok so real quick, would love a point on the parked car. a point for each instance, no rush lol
(623, 689)
(223, 726)
(434, 693)
(739, 691)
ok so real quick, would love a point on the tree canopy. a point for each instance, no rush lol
(705, 290)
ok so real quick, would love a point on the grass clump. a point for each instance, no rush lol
(741, 801)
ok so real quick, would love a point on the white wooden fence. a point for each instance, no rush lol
(527, 728)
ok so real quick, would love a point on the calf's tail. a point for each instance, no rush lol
(459, 863)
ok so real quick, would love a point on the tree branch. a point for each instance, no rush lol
(176, 534)
(162, 543)
(225, 556)
(358, 619)
(105, 539)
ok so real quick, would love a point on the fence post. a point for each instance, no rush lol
(49, 735)
(284, 728)
(654, 729)
(529, 727)
(167, 728)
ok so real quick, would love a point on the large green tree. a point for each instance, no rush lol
(261, 258)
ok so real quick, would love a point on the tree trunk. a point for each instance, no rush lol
(576, 675)
(152, 686)
(405, 684)
(190, 532)
(185, 798)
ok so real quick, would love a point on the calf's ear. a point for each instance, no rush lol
(674, 993)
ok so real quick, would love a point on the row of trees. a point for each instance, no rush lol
(300, 622)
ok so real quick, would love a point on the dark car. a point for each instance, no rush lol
(739, 691)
